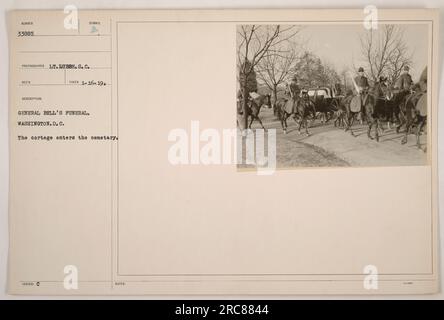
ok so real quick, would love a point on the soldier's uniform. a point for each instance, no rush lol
(420, 88)
(293, 89)
(404, 82)
(362, 82)
(423, 80)
(403, 85)
(362, 85)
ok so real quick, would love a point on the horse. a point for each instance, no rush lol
(415, 112)
(375, 111)
(392, 108)
(298, 108)
(372, 108)
(254, 106)
(395, 110)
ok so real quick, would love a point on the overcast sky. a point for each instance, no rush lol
(340, 44)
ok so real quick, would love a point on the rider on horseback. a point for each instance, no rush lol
(361, 81)
(361, 87)
(404, 82)
(423, 80)
(380, 88)
(293, 89)
(403, 85)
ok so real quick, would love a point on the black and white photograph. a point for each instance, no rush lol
(338, 95)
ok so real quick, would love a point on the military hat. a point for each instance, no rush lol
(361, 69)
(406, 68)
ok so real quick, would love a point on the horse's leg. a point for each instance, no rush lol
(251, 121)
(282, 117)
(402, 121)
(369, 129)
(340, 119)
(344, 119)
(408, 125)
(260, 122)
(286, 115)
(418, 132)
(388, 114)
(349, 118)
(395, 114)
(327, 117)
(377, 129)
(313, 115)
(351, 121)
(300, 124)
(306, 126)
(381, 127)
(404, 138)
(295, 118)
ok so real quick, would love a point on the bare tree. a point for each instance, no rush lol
(344, 79)
(384, 51)
(254, 43)
(276, 66)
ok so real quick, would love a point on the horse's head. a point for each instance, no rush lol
(389, 95)
(384, 91)
(263, 100)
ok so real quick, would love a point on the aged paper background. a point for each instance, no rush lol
(144, 207)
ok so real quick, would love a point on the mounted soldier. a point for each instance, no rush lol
(403, 86)
(380, 88)
(415, 108)
(404, 82)
(361, 82)
(292, 89)
(384, 96)
(292, 92)
(418, 95)
(423, 80)
(361, 93)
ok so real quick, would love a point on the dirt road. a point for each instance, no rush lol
(332, 147)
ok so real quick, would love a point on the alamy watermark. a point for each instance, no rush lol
(223, 147)
(71, 21)
(371, 277)
(71, 278)
(371, 17)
